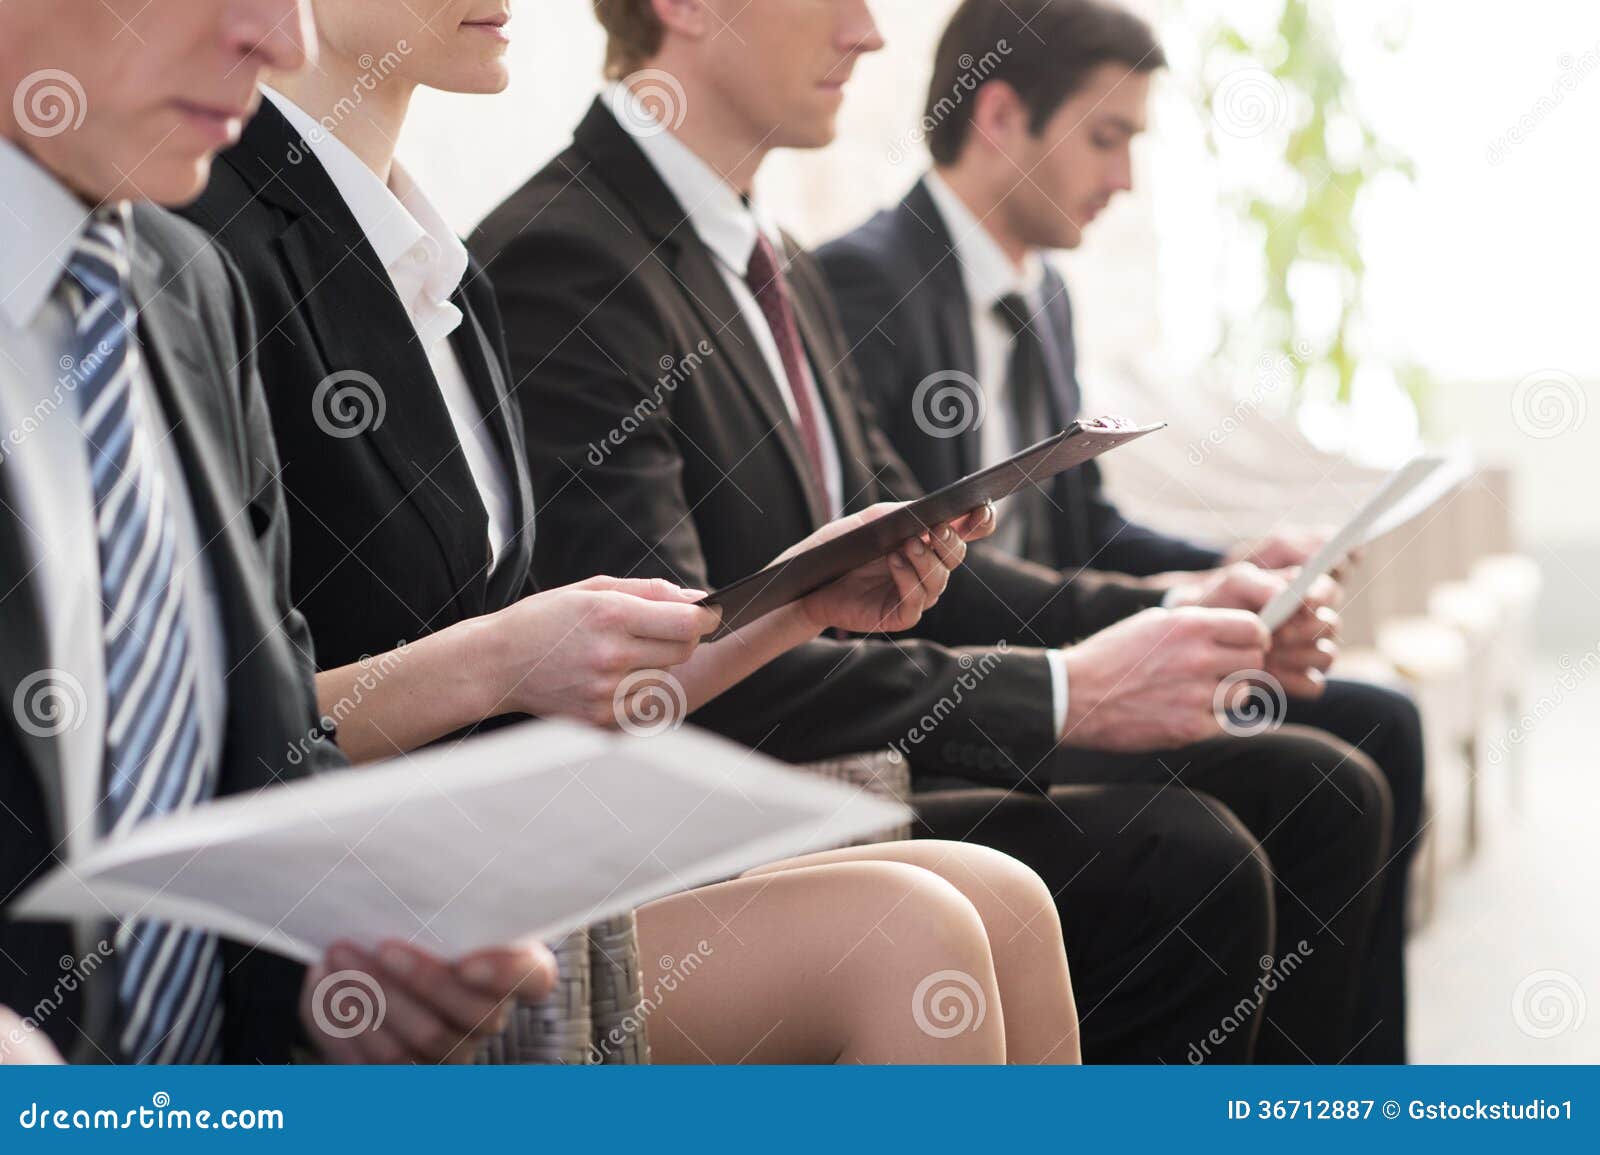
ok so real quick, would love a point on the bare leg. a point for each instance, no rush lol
(819, 964)
(1019, 915)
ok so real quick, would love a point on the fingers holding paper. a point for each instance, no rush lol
(892, 593)
(398, 1004)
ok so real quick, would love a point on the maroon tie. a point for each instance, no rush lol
(771, 291)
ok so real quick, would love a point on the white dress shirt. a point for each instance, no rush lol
(426, 261)
(46, 463)
(728, 226)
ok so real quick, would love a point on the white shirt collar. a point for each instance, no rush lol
(988, 272)
(37, 234)
(422, 254)
(720, 216)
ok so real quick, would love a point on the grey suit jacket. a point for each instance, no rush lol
(197, 335)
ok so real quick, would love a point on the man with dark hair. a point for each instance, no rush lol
(643, 242)
(1030, 116)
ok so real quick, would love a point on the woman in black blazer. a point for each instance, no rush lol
(407, 483)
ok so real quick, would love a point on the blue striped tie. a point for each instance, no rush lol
(169, 993)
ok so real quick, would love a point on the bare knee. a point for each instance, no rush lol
(1012, 899)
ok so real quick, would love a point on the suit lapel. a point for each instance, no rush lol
(361, 327)
(940, 276)
(625, 167)
(480, 364)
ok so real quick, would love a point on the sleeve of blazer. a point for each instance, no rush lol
(994, 594)
(1127, 547)
(583, 335)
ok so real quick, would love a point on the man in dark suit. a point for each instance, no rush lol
(950, 291)
(151, 659)
(691, 411)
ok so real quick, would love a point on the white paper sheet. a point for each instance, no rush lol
(1376, 515)
(528, 832)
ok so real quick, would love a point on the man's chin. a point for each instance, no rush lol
(169, 181)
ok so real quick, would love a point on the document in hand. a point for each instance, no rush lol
(1404, 494)
(793, 578)
(530, 831)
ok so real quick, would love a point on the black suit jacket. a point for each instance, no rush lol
(906, 313)
(661, 446)
(198, 341)
(390, 533)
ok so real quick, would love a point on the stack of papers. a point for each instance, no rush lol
(528, 832)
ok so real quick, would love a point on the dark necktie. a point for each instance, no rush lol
(766, 281)
(1027, 380)
(169, 993)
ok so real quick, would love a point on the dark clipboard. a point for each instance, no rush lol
(783, 582)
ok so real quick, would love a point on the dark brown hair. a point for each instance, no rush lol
(1045, 49)
(633, 34)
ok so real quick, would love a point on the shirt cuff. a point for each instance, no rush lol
(1166, 599)
(1058, 688)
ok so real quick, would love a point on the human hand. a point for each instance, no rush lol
(22, 1045)
(1289, 547)
(1151, 682)
(565, 652)
(399, 1004)
(893, 592)
(1306, 645)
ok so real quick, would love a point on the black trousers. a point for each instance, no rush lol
(1221, 911)
(1165, 902)
(1383, 724)
(1321, 811)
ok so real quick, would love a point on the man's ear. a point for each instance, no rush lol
(689, 18)
(999, 117)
